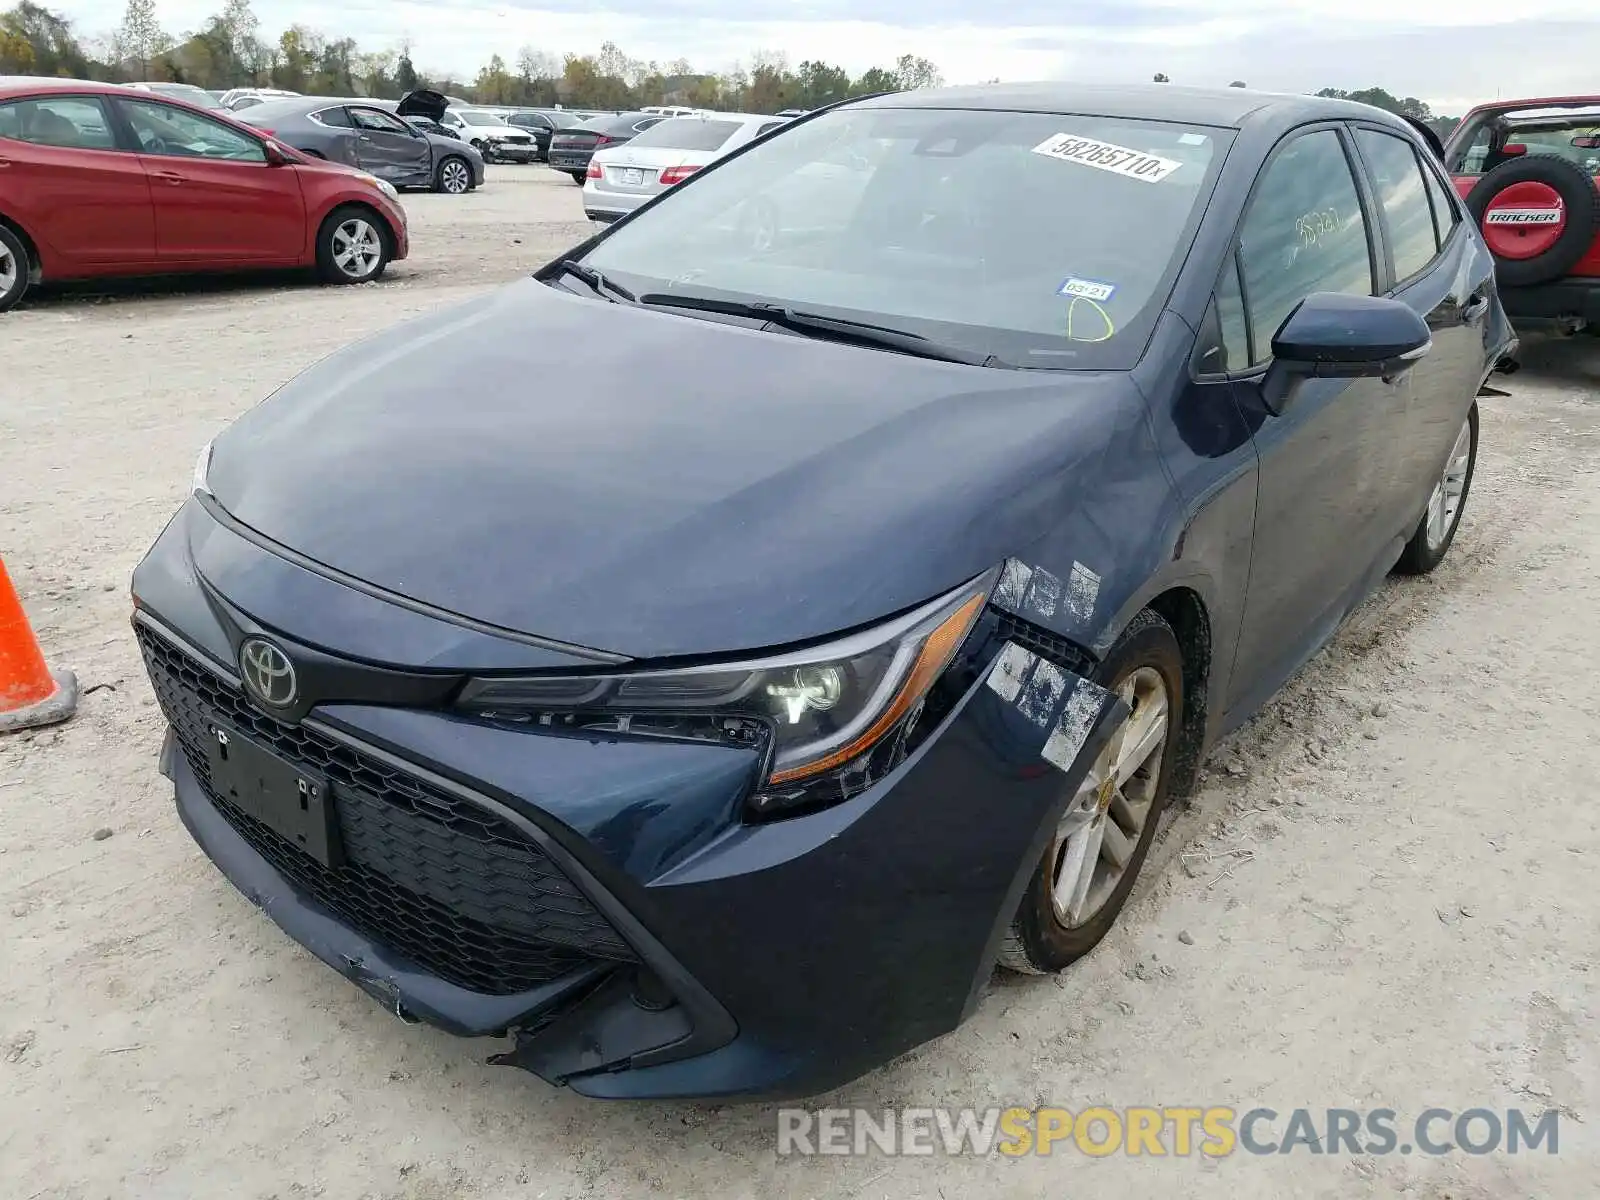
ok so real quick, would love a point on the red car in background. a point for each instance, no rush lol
(1528, 171)
(101, 180)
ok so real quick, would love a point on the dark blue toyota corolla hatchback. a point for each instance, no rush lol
(959, 466)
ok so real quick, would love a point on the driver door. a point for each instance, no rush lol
(217, 201)
(389, 148)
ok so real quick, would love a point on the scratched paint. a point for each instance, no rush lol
(1082, 593)
(1010, 671)
(1066, 740)
(1044, 691)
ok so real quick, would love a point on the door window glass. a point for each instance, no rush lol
(1305, 232)
(337, 117)
(1403, 195)
(372, 118)
(74, 122)
(1446, 212)
(165, 130)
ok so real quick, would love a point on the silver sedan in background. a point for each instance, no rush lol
(623, 177)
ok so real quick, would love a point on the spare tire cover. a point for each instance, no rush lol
(1539, 214)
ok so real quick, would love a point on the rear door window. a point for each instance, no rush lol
(71, 122)
(1403, 197)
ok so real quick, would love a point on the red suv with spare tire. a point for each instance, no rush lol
(1528, 172)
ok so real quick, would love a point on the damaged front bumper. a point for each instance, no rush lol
(772, 958)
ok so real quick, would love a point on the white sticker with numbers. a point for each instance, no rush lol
(1107, 156)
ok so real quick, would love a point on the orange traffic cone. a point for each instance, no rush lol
(30, 693)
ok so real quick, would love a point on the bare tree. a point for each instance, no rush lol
(140, 39)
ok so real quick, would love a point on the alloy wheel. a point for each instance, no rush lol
(357, 248)
(1101, 828)
(453, 175)
(1444, 505)
(10, 268)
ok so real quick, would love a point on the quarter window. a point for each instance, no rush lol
(178, 133)
(1403, 196)
(1233, 327)
(337, 117)
(72, 122)
(1305, 232)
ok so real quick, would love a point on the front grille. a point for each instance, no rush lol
(436, 878)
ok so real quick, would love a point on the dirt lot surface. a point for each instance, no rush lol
(1415, 923)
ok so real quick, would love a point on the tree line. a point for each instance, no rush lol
(230, 50)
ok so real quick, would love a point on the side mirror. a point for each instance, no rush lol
(1334, 336)
(275, 155)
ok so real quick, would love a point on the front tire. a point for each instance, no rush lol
(1448, 500)
(1104, 834)
(15, 266)
(453, 176)
(352, 246)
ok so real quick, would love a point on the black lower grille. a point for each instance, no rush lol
(1048, 645)
(436, 878)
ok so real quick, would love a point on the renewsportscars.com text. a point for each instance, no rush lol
(1215, 1132)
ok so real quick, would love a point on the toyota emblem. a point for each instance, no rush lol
(268, 673)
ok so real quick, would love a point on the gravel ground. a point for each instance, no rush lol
(1414, 924)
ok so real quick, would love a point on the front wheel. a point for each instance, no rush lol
(453, 176)
(1446, 503)
(14, 267)
(352, 246)
(1105, 831)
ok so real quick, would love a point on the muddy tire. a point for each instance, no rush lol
(1049, 932)
(1446, 503)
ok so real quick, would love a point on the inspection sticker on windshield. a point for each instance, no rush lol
(1106, 156)
(1087, 289)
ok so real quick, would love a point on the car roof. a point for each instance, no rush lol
(1227, 108)
(1544, 102)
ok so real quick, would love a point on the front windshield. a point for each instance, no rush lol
(1046, 241)
(476, 116)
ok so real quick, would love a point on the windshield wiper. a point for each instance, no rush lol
(883, 337)
(571, 266)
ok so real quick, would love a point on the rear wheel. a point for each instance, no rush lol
(453, 176)
(578, 177)
(352, 246)
(1105, 831)
(1446, 503)
(14, 268)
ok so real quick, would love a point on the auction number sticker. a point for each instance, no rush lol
(1107, 156)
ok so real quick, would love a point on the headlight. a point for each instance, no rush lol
(833, 717)
(202, 471)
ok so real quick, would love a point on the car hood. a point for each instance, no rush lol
(423, 102)
(685, 487)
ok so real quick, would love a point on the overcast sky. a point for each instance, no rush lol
(1450, 53)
